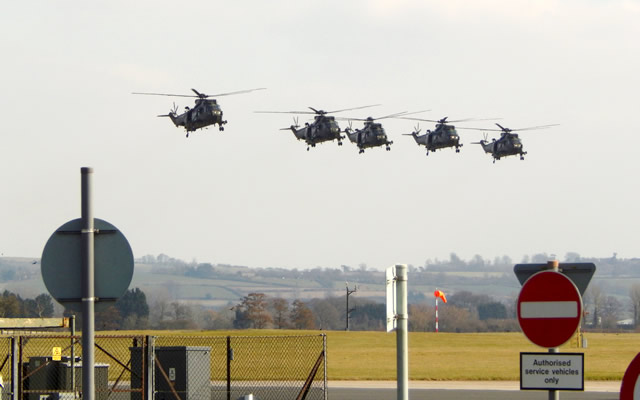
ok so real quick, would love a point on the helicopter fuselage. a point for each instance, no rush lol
(443, 137)
(205, 112)
(322, 129)
(508, 145)
(372, 135)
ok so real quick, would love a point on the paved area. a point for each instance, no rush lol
(589, 386)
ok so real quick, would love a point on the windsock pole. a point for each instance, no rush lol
(436, 315)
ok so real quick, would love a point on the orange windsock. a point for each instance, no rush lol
(440, 294)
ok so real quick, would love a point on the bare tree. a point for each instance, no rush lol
(280, 309)
(422, 318)
(595, 297)
(253, 310)
(326, 313)
(610, 313)
(301, 316)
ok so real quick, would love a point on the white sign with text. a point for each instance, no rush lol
(551, 371)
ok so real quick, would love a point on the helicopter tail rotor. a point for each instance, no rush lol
(172, 113)
(350, 127)
(292, 127)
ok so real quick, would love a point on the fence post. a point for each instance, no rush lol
(15, 384)
(20, 365)
(324, 350)
(149, 367)
(229, 356)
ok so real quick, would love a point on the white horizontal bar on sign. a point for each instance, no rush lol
(548, 309)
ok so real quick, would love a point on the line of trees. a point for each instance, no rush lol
(14, 306)
(464, 312)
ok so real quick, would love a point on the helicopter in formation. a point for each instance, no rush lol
(444, 136)
(371, 135)
(204, 113)
(324, 127)
(509, 143)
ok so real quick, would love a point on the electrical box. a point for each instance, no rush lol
(185, 370)
(45, 376)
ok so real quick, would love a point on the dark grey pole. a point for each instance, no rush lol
(349, 293)
(347, 310)
(88, 295)
(15, 386)
(229, 357)
(402, 337)
(72, 326)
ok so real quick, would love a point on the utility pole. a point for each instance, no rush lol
(349, 310)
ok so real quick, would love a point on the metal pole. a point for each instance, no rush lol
(553, 394)
(436, 315)
(402, 342)
(349, 293)
(15, 365)
(324, 350)
(347, 327)
(149, 354)
(229, 350)
(72, 325)
(88, 295)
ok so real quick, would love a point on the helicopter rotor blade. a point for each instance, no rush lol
(165, 94)
(197, 94)
(236, 92)
(351, 109)
(535, 127)
(284, 112)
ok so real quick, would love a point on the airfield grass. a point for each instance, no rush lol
(445, 356)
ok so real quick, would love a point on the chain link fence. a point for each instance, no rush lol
(267, 367)
(49, 367)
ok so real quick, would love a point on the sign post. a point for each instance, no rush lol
(397, 317)
(88, 296)
(96, 262)
(549, 312)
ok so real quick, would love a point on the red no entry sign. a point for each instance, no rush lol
(630, 388)
(549, 309)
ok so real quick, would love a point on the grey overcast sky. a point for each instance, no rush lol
(252, 195)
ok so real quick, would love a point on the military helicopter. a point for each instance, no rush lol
(443, 136)
(509, 143)
(324, 127)
(205, 112)
(372, 134)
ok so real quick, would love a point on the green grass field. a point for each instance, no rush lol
(447, 356)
